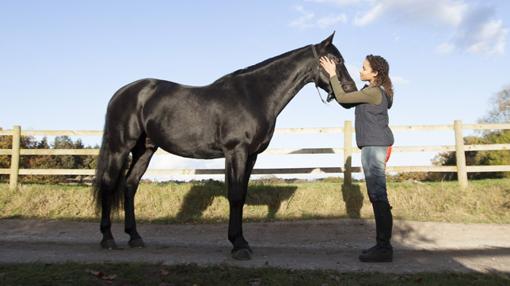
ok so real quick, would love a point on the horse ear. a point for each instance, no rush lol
(328, 41)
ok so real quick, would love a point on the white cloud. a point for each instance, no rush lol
(452, 13)
(490, 38)
(417, 11)
(445, 48)
(305, 20)
(480, 33)
(337, 2)
(470, 26)
(309, 20)
(370, 16)
(326, 22)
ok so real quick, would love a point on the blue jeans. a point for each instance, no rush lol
(373, 161)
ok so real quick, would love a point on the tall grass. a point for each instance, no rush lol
(485, 201)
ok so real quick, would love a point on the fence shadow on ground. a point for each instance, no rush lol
(353, 198)
(507, 203)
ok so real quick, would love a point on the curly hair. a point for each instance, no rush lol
(381, 66)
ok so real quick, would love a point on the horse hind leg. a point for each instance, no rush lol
(142, 154)
(115, 165)
(110, 180)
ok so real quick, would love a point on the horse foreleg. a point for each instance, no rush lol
(249, 168)
(138, 168)
(235, 171)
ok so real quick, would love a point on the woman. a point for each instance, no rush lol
(374, 138)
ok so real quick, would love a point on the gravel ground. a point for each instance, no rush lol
(313, 244)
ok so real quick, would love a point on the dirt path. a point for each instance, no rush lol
(318, 244)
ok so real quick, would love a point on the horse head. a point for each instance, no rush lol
(326, 48)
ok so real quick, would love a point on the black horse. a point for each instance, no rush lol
(232, 118)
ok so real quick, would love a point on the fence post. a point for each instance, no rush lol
(347, 152)
(460, 155)
(16, 140)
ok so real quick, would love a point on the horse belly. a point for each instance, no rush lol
(183, 122)
(191, 142)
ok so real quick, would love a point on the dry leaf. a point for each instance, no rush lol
(101, 275)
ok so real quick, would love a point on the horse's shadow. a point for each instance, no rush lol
(201, 196)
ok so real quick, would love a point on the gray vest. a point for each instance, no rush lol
(371, 123)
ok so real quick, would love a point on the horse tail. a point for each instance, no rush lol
(109, 183)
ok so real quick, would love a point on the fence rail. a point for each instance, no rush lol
(348, 149)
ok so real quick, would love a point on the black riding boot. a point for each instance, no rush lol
(382, 251)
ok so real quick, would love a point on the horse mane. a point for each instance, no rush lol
(258, 66)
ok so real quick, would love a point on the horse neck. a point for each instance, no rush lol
(290, 75)
(274, 82)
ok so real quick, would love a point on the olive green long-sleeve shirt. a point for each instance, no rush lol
(371, 94)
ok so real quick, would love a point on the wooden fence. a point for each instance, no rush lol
(348, 149)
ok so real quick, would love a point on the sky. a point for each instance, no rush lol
(61, 61)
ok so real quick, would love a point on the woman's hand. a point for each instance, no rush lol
(328, 65)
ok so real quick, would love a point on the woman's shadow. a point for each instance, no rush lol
(201, 196)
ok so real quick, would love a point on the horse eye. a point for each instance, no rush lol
(335, 60)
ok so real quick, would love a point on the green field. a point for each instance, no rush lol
(485, 201)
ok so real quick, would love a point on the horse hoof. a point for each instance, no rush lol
(136, 243)
(109, 244)
(242, 254)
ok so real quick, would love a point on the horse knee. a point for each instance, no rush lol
(131, 187)
(236, 198)
(107, 182)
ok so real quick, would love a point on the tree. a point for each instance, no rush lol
(5, 161)
(46, 161)
(26, 142)
(499, 113)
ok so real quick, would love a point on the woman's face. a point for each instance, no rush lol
(366, 73)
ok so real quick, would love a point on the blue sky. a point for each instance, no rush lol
(61, 61)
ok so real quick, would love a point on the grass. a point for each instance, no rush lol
(485, 201)
(150, 274)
